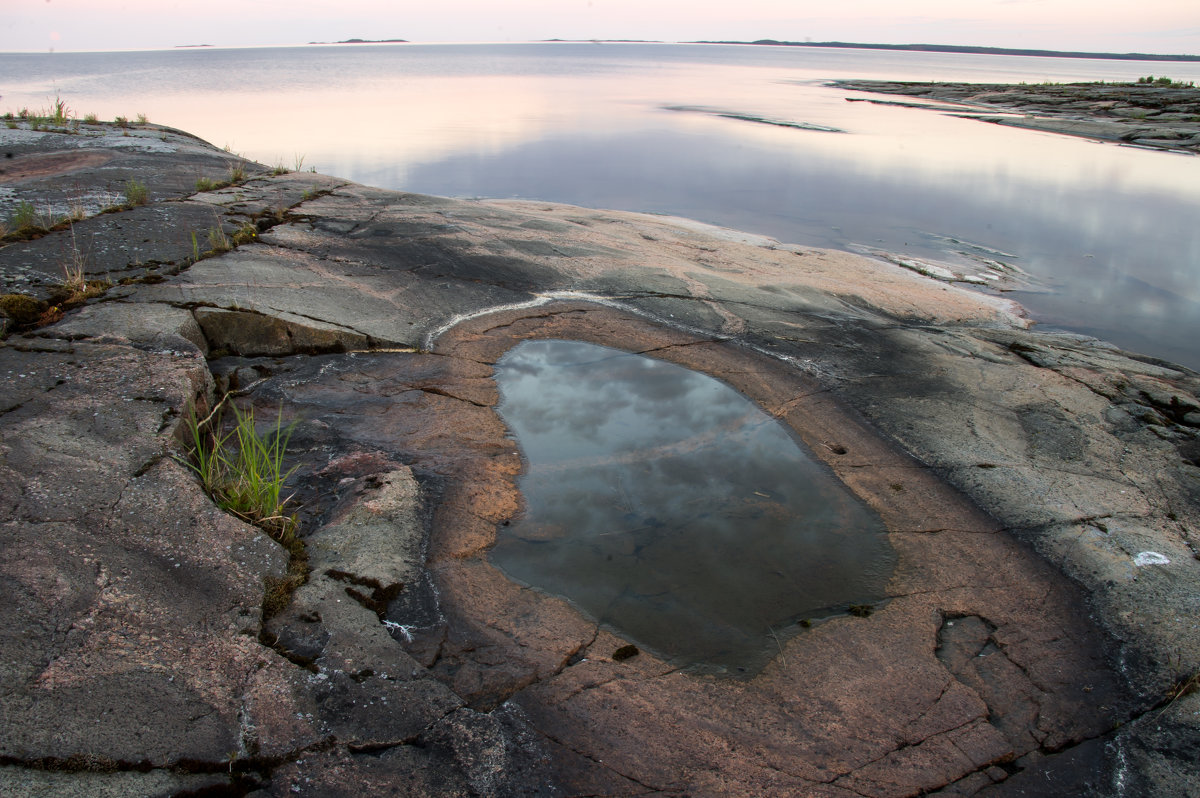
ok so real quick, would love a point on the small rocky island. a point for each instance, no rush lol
(1156, 112)
(1041, 492)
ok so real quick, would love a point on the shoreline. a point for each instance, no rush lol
(1165, 117)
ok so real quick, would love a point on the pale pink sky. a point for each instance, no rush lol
(1152, 26)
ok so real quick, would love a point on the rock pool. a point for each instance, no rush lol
(669, 507)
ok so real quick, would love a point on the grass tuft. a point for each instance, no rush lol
(75, 269)
(76, 210)
(243, 472)
(136, 193)
(217, 240)
(24, 216)
(59, 113)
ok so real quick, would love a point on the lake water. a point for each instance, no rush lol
(668, 506)
(1110, 232)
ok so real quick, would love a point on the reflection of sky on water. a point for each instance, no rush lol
(666, 504)
(1109, 229)
(1119, 252)
(610, 402)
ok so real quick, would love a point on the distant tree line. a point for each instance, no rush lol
(952, 48)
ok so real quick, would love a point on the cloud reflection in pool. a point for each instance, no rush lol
(671, 508)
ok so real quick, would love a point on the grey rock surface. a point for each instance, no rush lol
(154, 784)
(136, 658)
(128, 597)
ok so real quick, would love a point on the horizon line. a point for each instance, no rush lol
(909, 47)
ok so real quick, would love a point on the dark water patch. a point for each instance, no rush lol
(671, 508)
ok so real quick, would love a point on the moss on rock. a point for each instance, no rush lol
(22, 308)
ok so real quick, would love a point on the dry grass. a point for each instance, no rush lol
(75, 268)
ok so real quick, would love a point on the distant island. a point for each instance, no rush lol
(951, 48)
(366, 41)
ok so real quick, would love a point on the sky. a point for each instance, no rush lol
(1150, 26)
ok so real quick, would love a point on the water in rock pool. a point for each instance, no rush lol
(672, 509)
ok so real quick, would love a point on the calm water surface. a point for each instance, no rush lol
(668, 506)
(1109, 231)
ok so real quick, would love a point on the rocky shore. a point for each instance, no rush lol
(1162, 116)
(1041, 491)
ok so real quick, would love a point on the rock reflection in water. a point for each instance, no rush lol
(670, 507)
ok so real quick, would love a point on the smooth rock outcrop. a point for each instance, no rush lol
(1146, 114)
(1041, 490)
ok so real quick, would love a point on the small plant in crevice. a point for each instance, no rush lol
(142, 119)
(26, 222)
(218, 242)
(75, 288)
(244, 473)
(237, 174)
(136, 193)
(59, 113)
(74, 268)
(244, 234)
(24, 217)
(239, 468)
(76, 210)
